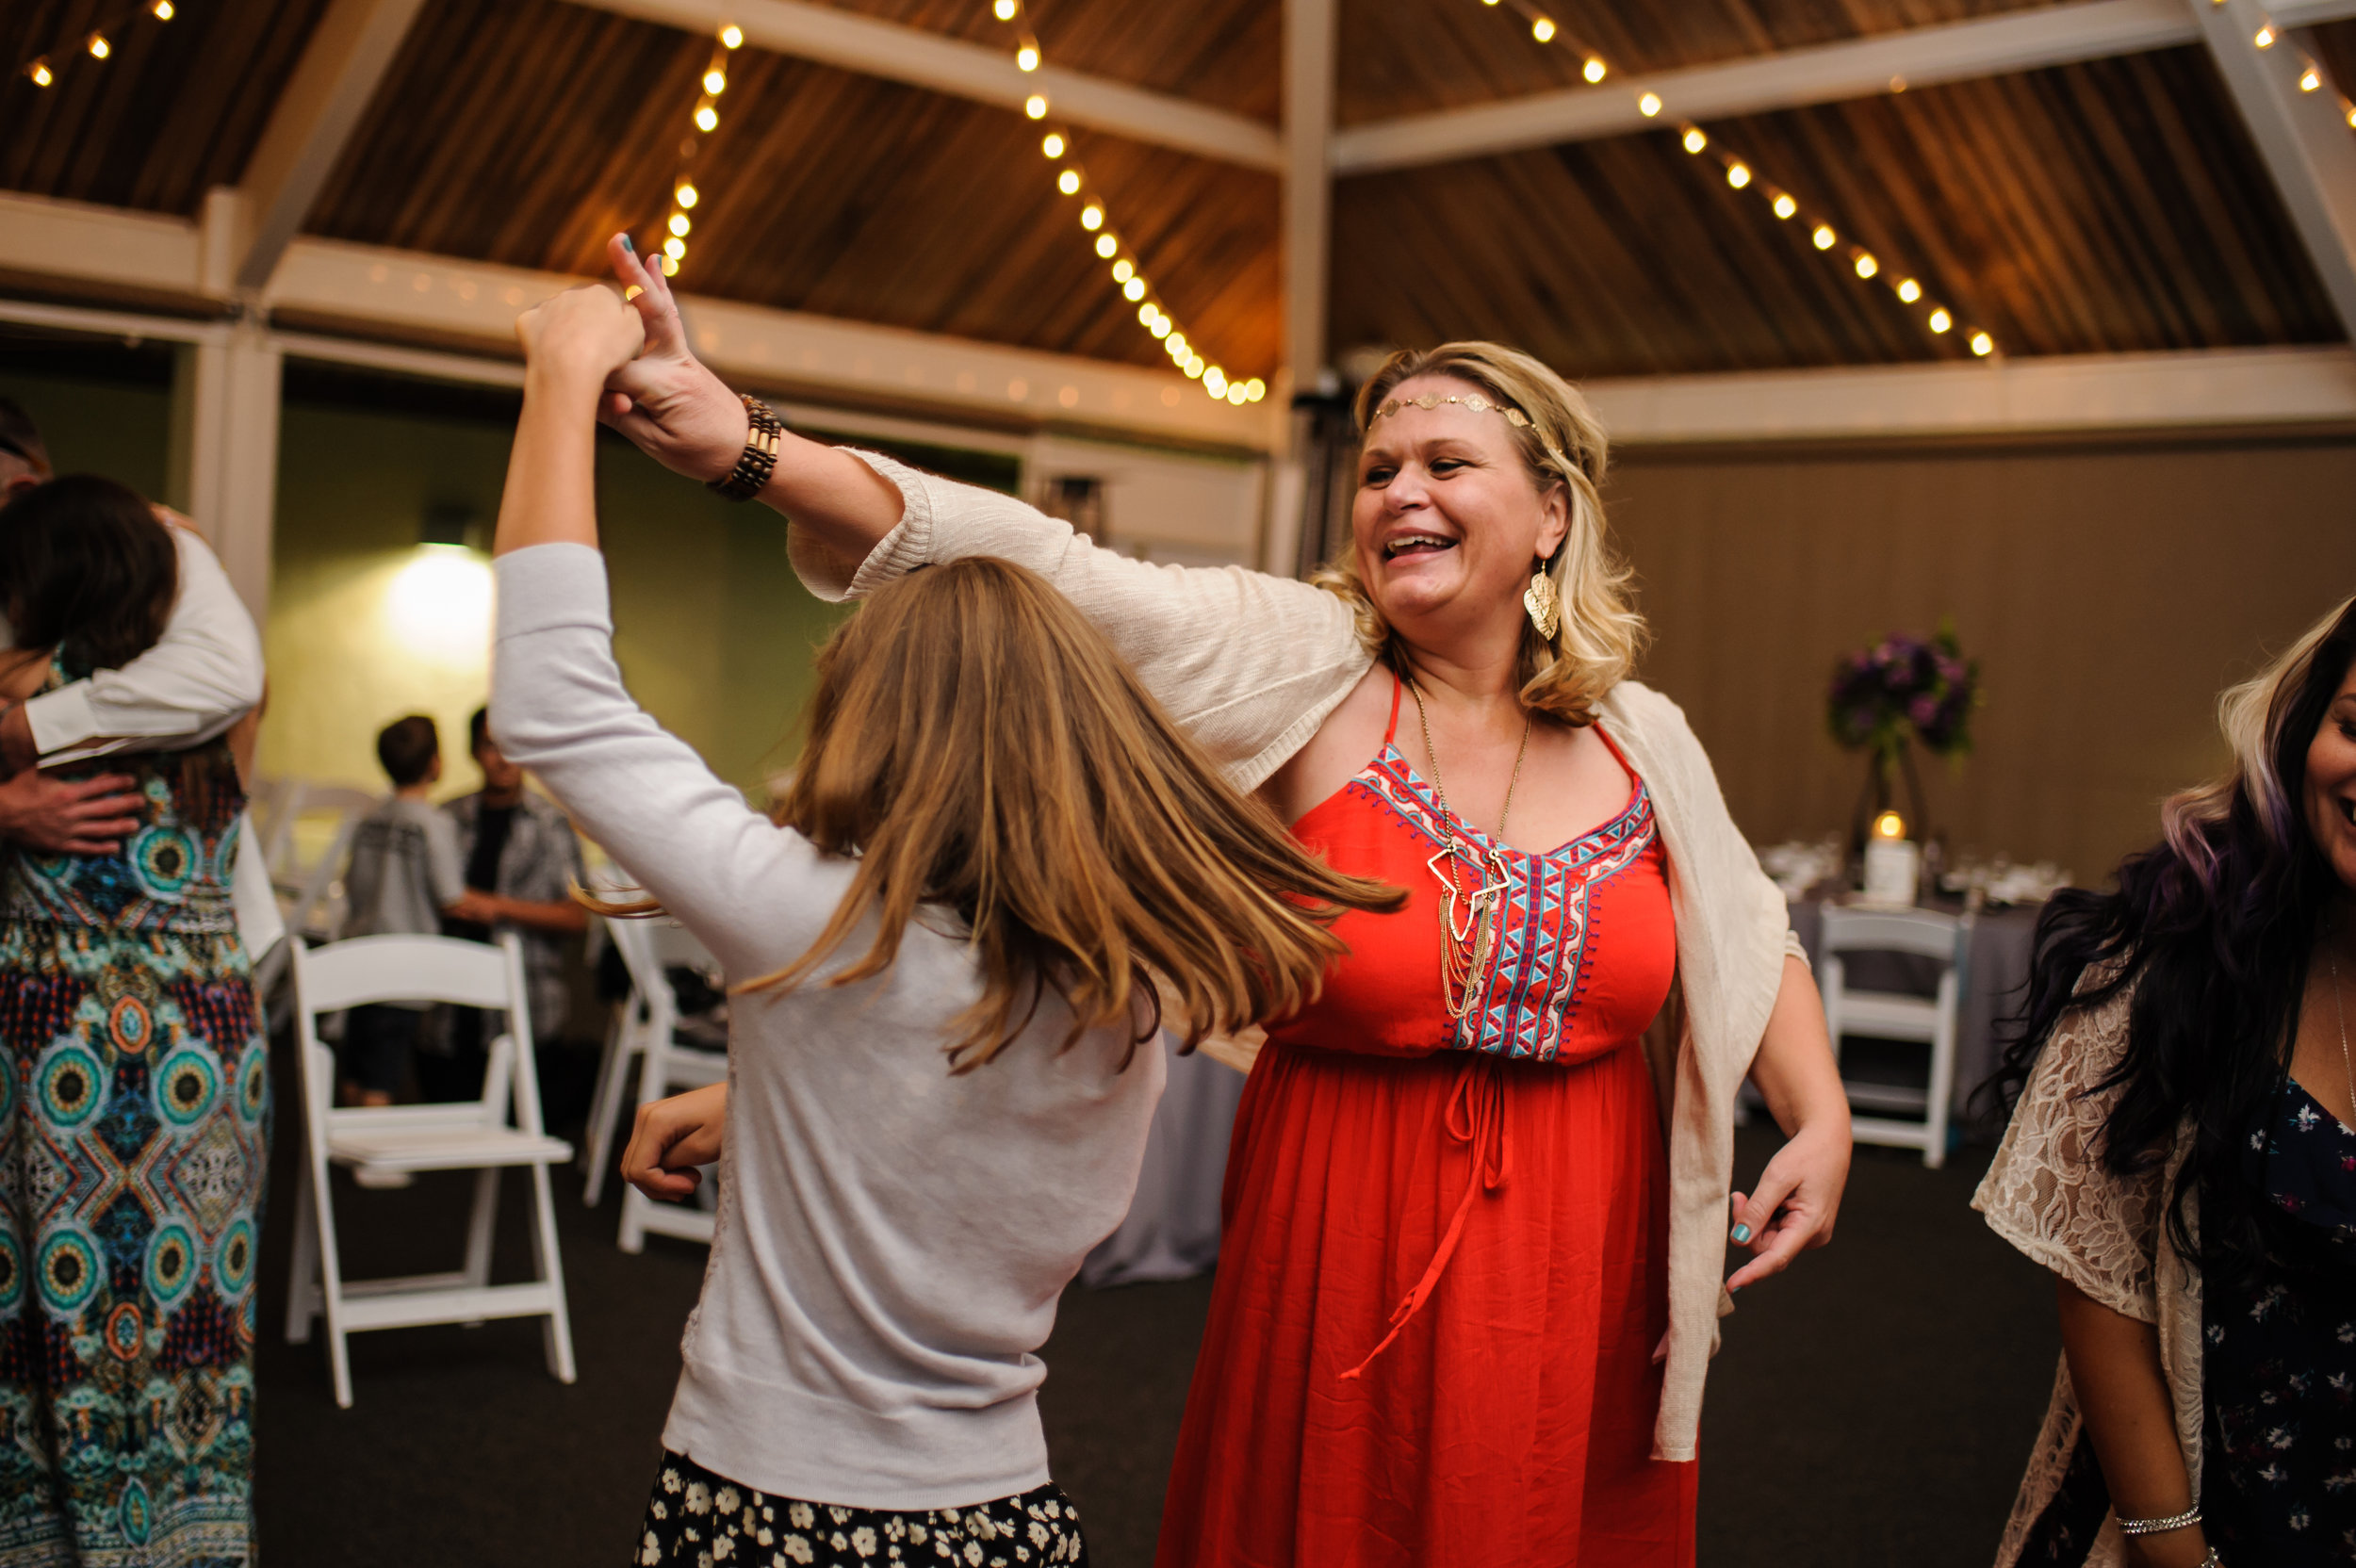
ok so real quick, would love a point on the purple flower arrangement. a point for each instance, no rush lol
(1901, 683)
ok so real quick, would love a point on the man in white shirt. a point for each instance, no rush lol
(202, 676)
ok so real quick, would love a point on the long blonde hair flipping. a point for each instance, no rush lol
(1600, 634)
(975, 743)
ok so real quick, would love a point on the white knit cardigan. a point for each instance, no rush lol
(1251, 664)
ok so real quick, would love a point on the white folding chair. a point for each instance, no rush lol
(461, 1135)
(672, 1056)
(1897, 1015)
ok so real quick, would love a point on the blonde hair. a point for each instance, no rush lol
(975, 743)
(1563, 443)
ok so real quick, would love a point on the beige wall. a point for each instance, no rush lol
(2109, 593)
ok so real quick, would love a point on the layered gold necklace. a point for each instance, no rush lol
(1468, 916)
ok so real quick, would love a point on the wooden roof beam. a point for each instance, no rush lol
(2301, 136)
(1859, 68)
(961, 70)
(350, 52)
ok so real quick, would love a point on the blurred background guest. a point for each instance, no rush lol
(2183, 1159)
(131, 1044)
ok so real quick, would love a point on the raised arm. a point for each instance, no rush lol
(1250, 664)
(557, 705)
(202, 676)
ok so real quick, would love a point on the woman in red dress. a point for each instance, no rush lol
(1469, 1291)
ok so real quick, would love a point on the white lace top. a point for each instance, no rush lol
(2049, 1194)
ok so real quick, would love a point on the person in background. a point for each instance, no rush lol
(2182, 1156)
(130, 1045)
(521, 862)
(404, 879)
(201, 678)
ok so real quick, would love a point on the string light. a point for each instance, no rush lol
(1740, 175)
(98, 44)
(1072, 181)
(706, 117)
(2264, 39)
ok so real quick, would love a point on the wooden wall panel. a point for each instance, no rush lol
(2110, 594)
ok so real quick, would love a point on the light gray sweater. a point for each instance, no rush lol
(891, 1239)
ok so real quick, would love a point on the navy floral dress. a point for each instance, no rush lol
(2278, 1365)
(134, 1094)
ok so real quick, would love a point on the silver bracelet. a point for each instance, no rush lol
(2153, 1526)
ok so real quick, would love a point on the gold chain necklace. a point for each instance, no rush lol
(1468, 918)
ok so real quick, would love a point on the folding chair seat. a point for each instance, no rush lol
(462, 1135)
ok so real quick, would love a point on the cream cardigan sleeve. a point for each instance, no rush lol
(1247, 663)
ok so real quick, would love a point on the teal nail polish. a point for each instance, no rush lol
(628, 246)
(1742, 1234)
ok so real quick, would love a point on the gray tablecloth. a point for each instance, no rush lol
(1173, 1229)
(1995, 977)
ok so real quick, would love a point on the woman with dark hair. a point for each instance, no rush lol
(2182, 1157)
(134, 1081)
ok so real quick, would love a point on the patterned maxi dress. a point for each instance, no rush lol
(134, 1092)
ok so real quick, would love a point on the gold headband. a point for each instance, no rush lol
(1478, 403)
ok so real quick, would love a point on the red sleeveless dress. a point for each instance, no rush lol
(1502, 1219)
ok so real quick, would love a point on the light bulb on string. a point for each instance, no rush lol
(1941, 321)
(1053, 144)
(675, 248)
(707, 118)
(1593, 70)
(1091, 218)
(1026, 58)
(1148, 314)
(670, 266)
(1069, 182)
(1177, 347)
(1133, 289)
(1159, 326)
(2264, 38)
(686, 195)
(1254, 390)
(1124, 270)
(163, 10)
(1738, 176)
(731, 37)
(1909, 291)
(1215, 382)
(1034, 107)
(1694, 140)
(1106, 245)
(715, 81)
(678, 224)
(1541, 29)
(2309, 79)
(1004, 11)
(1785, 206)
(41, 73)
(1236, 393)
(99, 47)
(1983, 345)
(1866, 265)
(1649, 104)
(1823, 236)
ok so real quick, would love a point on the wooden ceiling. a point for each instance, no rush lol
(2111, 207)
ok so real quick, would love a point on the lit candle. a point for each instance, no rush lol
(1894, 865)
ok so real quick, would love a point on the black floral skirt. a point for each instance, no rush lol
(700, 1520)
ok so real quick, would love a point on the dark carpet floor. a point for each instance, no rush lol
(1871, 1406)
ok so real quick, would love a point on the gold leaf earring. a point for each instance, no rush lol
(1543, 604)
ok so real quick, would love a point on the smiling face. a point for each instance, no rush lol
(1448, 522)
(2331, 788)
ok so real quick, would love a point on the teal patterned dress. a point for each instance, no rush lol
(134, 1097)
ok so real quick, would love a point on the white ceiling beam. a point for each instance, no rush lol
(2301, 136)
(2216, 388)
(1310, 33)
(350, 50)
(1859, 68)
(97, 249)
(963, 70)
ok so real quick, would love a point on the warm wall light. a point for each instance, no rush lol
(440, 603)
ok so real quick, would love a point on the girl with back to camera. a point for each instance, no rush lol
(947, 941)
(2181, 1158)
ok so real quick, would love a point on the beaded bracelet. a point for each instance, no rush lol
(2155, 1527)
(762, 441)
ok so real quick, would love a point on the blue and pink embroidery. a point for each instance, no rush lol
(1527, 998)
